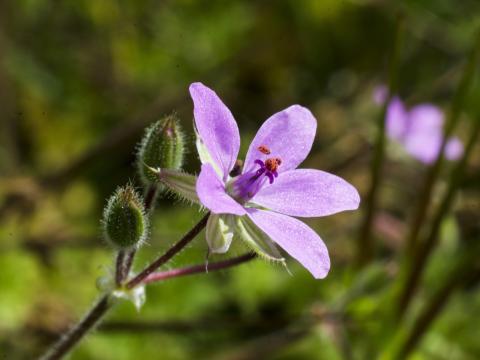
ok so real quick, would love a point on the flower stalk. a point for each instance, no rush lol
(176, 248)
(68, 341)
(198, 269)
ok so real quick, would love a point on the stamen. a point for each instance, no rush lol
(272, 164)
(264, 149)
(259, 172)
(245, 186)
(260, 162)
(270, 177)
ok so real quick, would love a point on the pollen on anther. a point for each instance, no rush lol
(272, 164)
(264, 149)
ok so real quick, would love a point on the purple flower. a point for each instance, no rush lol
(420, 131)
(380, 93)
(259, 202)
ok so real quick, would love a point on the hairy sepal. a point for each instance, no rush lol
(257, 240)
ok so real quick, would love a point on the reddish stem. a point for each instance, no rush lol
(177, 247)
(198, 269)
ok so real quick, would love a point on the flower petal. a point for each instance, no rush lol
(380, 94)
(396, 119)
(308, 193)
(288, 134)
(216, 127)
(425, 118)
(295, 238)
(424, 147)
(454, 149)
(211, 192)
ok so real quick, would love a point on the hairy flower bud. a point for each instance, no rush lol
(124, 222)
(162, 147)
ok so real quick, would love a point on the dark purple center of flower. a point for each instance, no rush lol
(267, 168)
(247, 185)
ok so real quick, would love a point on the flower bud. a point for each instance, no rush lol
(124, 222)
(162, 147)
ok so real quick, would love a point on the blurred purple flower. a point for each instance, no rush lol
(269, 190)
(380, 93)
(420, 131)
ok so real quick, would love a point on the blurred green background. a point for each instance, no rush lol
(80, 80)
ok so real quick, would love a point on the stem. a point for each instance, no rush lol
(365, 241)
(120, 267)
(129, 261)
(72, 337)
(452, 120)
(150, 196)
(170, 253)
(149, 204)
(198, 269)
(420, 257)
(434, 307)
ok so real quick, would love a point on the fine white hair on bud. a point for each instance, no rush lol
(125, 224)
(162, 147)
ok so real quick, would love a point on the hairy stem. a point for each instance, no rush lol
(365, 241)
(73, 337)
(198, 269)
(120, 272)
(150, 196)
(149, 204)
(68, 341)
(177, 247)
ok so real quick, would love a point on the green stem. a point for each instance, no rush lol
(427, 189)
(461, 275)
(365, 241)
(420, 257)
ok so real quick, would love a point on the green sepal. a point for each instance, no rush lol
(257, 240)
(219, 232)
(178, 182)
